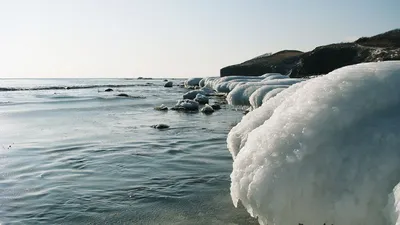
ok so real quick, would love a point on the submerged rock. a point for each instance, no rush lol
(162, 107)
(108, 90)
(122, 95)
(160, 126)
(168, 84)
(201, 99)
(207, 109)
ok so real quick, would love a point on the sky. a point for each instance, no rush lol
(172, 38)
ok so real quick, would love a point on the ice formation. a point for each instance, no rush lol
(256, 99)
(275, 77)
(207, 109)
(186, 105)
(326, 150)
(201, 99)
(192, 82)
(271, 94)
(240, 95)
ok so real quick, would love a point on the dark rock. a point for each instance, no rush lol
(201, 99)
(281, 62)
(323, 59)
(390, 39)
(161, 108)
(186, 105)
(192, 94)
(168, 84)
(216, 106)
(123, 95)
(207, 109)
(108, 90)
(165, 80)
(247, 110)
(160, 126)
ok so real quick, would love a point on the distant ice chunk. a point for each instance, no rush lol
(326, 150)
(193, 82)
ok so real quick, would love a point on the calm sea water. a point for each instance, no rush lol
(84, 156)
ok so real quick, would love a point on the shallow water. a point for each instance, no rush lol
(81, 155)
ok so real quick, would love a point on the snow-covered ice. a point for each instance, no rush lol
(326, 150)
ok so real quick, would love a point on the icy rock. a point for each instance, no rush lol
(207, 109)
(186, 105)
(201, 99)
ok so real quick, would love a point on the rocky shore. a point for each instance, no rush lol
(323, 59)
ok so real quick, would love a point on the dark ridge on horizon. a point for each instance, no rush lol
(322, 59)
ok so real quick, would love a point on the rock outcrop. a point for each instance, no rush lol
(323, 59)
(281, 62)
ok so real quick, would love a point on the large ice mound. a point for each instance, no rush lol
(326, 150)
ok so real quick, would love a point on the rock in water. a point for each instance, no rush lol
(201, 99)
(162, 107)
(122, 95)
(216, 106)
(192, 94)
(186, 105)
(108, 90)
(160, 126)
(168, 84)
(207, 109)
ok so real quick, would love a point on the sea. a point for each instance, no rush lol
(71, 153)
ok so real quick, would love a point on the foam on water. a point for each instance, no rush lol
(323, 151)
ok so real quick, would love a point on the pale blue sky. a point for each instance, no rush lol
(172, 38)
